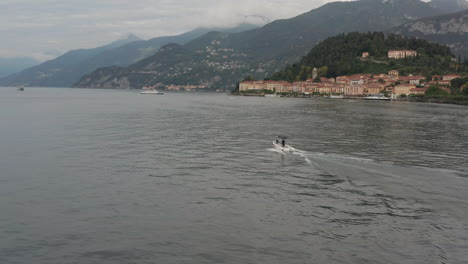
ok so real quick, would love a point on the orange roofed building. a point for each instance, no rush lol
(450, 77)
(418, 90)
(403, 89)
(277, 86)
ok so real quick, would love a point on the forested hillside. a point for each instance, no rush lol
(341, 55)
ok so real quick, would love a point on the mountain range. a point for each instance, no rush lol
(62, 70)
(450, 30)
(67, 69)
(11, 65)
(449, 6)
(220, 60)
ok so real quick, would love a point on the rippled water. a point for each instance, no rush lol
(96, 176)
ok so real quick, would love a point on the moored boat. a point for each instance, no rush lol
(151, 92)
(377, 97)
(340, 96)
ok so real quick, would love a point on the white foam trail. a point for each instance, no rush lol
(318, 155)
(307, 155)
(274, 150)
(302, 154)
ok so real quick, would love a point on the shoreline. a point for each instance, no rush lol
(408, 99)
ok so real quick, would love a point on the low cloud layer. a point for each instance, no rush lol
(44, 29)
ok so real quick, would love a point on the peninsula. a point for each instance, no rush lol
(361, 64)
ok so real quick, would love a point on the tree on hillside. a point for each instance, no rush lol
(458, 82)
(464, 91)
(434, 90)
(322, 71)
(249, 79)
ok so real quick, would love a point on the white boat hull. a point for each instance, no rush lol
(376, 98)
(287, 148)
(151, 92)
(336, 97)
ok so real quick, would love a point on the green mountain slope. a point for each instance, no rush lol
(220, 60)
(138, 50)
(67, 69)
(342, 56)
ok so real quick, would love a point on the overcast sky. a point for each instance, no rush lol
(44, 29)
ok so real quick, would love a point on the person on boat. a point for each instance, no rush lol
(283, 142)
(277, 141)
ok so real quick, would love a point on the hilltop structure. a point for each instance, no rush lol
(400, 54)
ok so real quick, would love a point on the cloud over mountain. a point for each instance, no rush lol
(44, 29)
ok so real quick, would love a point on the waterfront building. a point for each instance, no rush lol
(373, 89)
(275, 86)
(354, 90)
(418, 90)
(252, 85)
(354, 85)
(299, 87)
(403, 89)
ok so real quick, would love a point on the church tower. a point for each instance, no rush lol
(314, 73)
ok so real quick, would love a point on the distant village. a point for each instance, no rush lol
(357, 85)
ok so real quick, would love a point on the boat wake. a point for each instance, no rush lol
(303, 154)
(314, 158)
(418, 200)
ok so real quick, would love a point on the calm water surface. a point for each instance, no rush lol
(96, 176)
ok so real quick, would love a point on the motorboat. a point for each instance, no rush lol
(20, 88)
(377, 97)
(284, 148)
(336, 96)
(151, 92)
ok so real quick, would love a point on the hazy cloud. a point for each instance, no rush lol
(45, 28)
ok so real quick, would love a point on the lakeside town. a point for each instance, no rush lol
(391, 83)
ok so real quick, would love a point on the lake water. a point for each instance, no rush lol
(102, 176)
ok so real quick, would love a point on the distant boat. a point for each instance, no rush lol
(272, 95)
(336, 96)
(377, 97)
(151, 92)
(20, 88)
